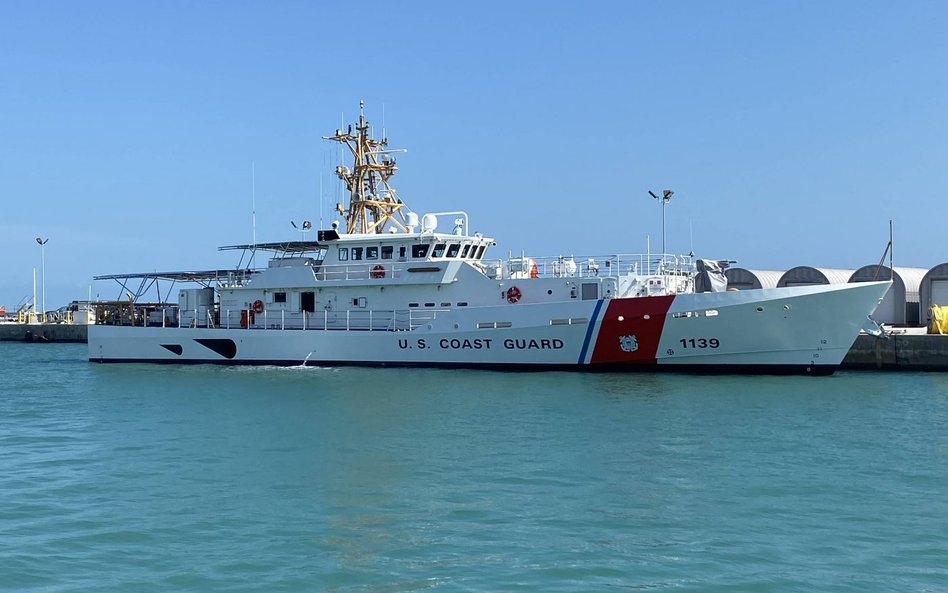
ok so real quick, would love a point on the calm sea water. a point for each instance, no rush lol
(165, 478)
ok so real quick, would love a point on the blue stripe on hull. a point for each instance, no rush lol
(589, 331)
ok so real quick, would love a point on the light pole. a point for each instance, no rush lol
(664, 199)
(42, 244)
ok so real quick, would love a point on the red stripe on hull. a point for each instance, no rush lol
(634, 339)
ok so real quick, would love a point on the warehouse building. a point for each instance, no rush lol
(745, 279)
(900, 306)
(807, 275)
(933, 290)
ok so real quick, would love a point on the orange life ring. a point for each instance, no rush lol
(513, 294)
(378, 271)
(258, 306)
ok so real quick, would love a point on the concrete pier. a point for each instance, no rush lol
(904, 350)
(43, 332)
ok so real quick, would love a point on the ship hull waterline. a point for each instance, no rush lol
(795, 330)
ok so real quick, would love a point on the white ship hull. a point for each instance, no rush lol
(805, 329)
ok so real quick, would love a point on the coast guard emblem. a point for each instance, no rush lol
(628, 343)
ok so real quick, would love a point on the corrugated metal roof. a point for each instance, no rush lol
(753, 278)
(811, 275)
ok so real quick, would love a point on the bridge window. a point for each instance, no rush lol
(453, 250)
(343, 254)
(480, 252)
(419, 251)
(387, 251)
(371, 252)
(356, 253)
(438, 250)
(465, 251)
(279, 297)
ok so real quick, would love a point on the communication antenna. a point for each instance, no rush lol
(664, 199)
(253, 210)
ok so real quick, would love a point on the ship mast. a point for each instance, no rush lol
(373, 203)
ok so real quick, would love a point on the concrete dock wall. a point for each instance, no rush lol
(900, 352)
(43, 332)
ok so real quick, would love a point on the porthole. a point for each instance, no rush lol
(760, 309)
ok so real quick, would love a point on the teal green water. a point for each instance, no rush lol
(163, 478)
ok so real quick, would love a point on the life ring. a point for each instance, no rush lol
(513, 294)
(377, 271)
(258, 306)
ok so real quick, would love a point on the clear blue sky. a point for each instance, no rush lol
(790, 131)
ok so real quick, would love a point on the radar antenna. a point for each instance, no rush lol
(373, 203)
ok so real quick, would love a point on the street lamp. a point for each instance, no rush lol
(42, 244)
(664, 199)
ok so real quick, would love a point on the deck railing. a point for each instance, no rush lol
(326, 320)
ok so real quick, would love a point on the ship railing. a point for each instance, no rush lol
(378, 269)
(573, 266)
(326, 320)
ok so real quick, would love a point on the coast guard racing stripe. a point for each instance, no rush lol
(589, 331)
(634, 339)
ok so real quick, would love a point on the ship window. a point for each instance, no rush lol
(356, 253)
(480, 252)
(419, 251)
(438, 250)
(429, 304)
(492, 324)
(453, 250)
(465, 250)
(371, 252)
(590, 292)
(401, 252)
(387, 251)
(462, 303)
(279, 297)
(445, 304)
(412, 305)
(343, 254)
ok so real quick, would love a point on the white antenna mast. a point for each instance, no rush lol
(253, 210)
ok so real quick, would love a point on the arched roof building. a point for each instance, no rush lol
(900, 304)
(745, 279)
(806, 275)
(933, 290)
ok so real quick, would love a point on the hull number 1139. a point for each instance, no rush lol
(699, 342)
